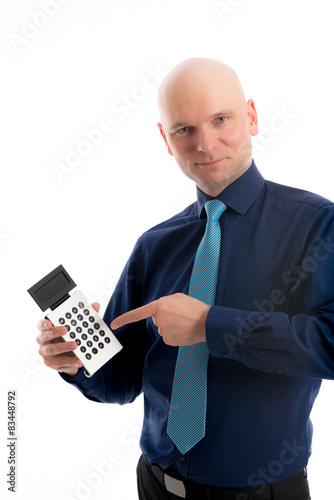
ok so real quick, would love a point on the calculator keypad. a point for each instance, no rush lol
(96, 343)
(76, 333)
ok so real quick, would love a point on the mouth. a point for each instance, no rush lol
(209, 163)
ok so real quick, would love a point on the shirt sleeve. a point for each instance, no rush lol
(120, 379)
(301, 343)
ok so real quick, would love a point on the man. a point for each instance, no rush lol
(268, 332)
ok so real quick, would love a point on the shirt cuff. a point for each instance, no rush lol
(222, 332)
(81, 380)
(229, 335)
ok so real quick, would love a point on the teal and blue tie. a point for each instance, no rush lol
(187, 414)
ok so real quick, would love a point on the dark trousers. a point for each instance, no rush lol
(151, 487)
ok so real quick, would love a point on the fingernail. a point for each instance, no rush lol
(45, 325)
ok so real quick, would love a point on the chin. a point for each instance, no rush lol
(215, 184)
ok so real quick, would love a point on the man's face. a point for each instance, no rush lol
(207, 127)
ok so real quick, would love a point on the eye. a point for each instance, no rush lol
(183, 130)
(221, 119)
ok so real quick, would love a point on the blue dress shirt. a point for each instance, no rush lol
(270, 334)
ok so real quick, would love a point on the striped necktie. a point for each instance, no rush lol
(187, 414)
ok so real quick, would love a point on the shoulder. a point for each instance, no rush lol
(169, 234)
(307, 214)
(186, 216)
(293, 196)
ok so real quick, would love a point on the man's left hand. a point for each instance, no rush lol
(180, 319)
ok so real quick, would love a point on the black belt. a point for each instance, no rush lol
(180, 487)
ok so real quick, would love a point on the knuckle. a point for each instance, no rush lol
(166, 339)
(47, 362)
(44, 336)
(48, 351)
(162, 300)
(162, 304)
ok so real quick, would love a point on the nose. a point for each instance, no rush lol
(206, 141)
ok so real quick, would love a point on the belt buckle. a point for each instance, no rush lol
(175, 486)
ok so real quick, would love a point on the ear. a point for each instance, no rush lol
(252, 115)
(162, 132)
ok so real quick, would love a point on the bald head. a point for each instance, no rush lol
(206, 122)
(194, 76)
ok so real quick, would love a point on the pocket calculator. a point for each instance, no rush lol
(96, 342)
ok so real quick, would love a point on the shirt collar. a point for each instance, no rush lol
(239, 195)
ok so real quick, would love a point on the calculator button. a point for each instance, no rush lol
(88, 356)
(78, 329)
(61, 321)
(102, 333)
(85, 324)
(80, 317)
(101, 345)
(95, 351)
(68, 315)
(89, 343)
(83, 349)
(86, 312)
(84, 336)
(78, 341)
(68, 328)
(72, 335)
(73, 322)
(96, 326)
(107, 340)
(74, 310)
(81, 305)
(96, 338)
(90, 331)
(91, 319)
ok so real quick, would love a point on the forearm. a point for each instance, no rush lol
(107, 385)
(299, 346)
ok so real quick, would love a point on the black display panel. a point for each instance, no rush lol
(52, 289)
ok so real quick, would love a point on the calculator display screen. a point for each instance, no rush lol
(52, 288)
(56, 284)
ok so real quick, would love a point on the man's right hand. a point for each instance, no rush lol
(55, 351)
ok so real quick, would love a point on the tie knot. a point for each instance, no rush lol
(214, 209)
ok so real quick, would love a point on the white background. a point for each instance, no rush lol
(62, 77)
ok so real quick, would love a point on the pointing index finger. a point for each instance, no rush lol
(138, 314)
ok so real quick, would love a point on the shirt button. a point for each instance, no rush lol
(224, 354)
(279, 370)
(83, 382)
(182, 459)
